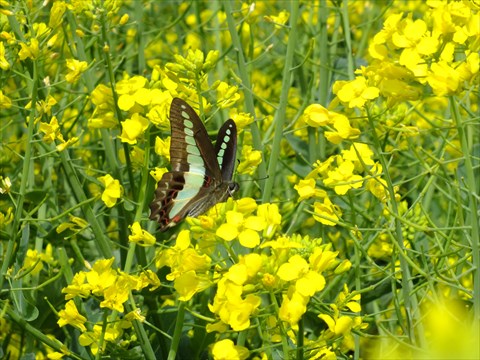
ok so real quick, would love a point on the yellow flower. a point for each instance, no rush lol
(343, 129)
(76, 224)
(342, 178)
(272, 217)
(306, 189)
(76, 68)
(33, 260)
(250, 160)
(279, 20)
(294, 305)
(227, 95)
(360, 154)
(113, 190)
(5, 185)
(30, 50)
(245, 228)
(157, 173)
(326, 213)
(78, 287)
(226, 350)
(127, 90)
(57, 13)
(189, 283)
(356, 92)
(443, 79)
(71, 316)
(140, 236)
(117, 293)
(103, 116)
(5, 101)
(162, 147)
(4, 64)
(101, 276)
(316, 115)
(242, 120)
(133, 128)
(51, 130)
(7, 217)
(158, 114)
(228, 303)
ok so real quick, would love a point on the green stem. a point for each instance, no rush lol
(473, 187)
(280, 117)
(348, 40)
(243, 71)
(412, 310)
(10, 253)
(172, 354)
(54, 344)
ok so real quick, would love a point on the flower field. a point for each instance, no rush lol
(355, 229)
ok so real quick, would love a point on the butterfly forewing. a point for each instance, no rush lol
(190, 149)
(200, 175)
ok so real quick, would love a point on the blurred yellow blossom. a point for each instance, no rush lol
(342, 178)
(140, 236)
(280, 19)
(245, 228)
(242, 120)
(5, 101)
(75, 69)
(227, 95)
(316, 115)
(30, 50)
(157, 173)
(307, 189)
(326, 212)
(162, 147)
(71, 316)
(250, 160)
(227, 350)
(133, 128)
(4, 64)
(356, 92)
(113, 190)
(343, 129)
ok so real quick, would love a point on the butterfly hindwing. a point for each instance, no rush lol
(201, 174)
(225, 149)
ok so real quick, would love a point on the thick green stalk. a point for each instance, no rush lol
(9, 254)
(244, 76)
(472, 186)
(279, 119)
(177, 334)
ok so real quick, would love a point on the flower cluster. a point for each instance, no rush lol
(111, 288)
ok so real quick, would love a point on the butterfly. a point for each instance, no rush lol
(201, 174)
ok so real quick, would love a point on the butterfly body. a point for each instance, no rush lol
(201, 173)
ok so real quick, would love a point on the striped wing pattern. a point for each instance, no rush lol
(201, 174)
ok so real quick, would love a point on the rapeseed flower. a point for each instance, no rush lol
(75, 70)
(227, 350)
(342, 178)
(244, 228)
(326, 213)
(355, 93)
(71, 316)
(133, 129)
(140, 236)
(113, 190)
(250, 160)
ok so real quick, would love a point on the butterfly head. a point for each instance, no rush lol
(233, 188)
